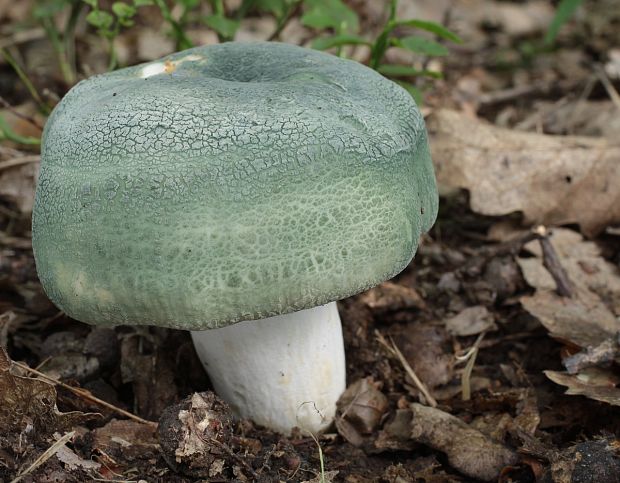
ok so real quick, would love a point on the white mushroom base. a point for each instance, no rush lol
(280, 372)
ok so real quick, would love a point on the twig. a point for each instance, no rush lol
(85, 394)
(11, 163)
(393, 349)
(49, 452)
(552, 263)
(609, 87)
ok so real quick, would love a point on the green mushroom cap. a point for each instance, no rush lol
(226, 183)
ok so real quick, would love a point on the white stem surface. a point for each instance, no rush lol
(280, 372)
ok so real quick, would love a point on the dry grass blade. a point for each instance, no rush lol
(393, 349)
(11, 163)
(85, 394)
(49, 452)
(609, 87)
(470, 357)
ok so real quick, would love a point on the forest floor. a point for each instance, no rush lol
(508, 316)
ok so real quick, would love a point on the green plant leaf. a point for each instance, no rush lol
(432, 27)
(100, 19)
(143, 3)
(92, 3)
(276, 7)
(324, 14)
(324, 43)
(225, 27)
(395, 70)
(123, 11)
(189, 4)
(49, 8)
(420, 45)
(564, 12)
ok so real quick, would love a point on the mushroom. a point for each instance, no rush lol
(235, 190)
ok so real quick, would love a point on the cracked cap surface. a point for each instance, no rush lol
(229, 182)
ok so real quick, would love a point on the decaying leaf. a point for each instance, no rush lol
(468, 450)
(28, 405)
(17, 184)
(471, 321)
(127, 436)
(72, 461)
(360, 410)
(589, 317)
(595, 383)
(326, 477)
(583, 263)
(195, 435)
(550, 179)
(390, 297)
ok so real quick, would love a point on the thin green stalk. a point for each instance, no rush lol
(321, 460)
(113, 62)
(284, 19)
(183, 42)
(59, 48)
(69, 37)
(383, 40)
(24, 78)
(218, 8)
(244, 8)
(7, 133)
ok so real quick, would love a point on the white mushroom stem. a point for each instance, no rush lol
(280, 372)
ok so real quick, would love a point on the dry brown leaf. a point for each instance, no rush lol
(584, 265)
(17, 185)
(28, 405)
(590, 316)
(326, 477)
(72, 461)
(471, 321)
(133, 437)
(551, 179)
(594, 383)
(389, 296)
(360, 410)
(582, 319)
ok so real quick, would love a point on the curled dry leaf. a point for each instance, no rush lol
(550, 179)
(28, 405)
(467, 449)
(360, 410)
(597, 384)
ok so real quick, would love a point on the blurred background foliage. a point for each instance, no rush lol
(91, 36)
